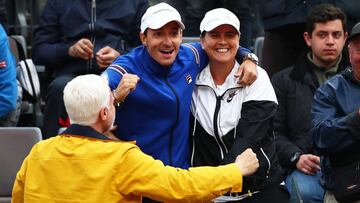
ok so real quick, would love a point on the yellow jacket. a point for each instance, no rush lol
(71, 168)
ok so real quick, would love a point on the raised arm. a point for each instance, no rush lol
(168, 184)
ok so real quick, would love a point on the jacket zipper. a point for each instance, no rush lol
(215, 125)
(176, 121)
(268, 161)
(218, 138)
(92, 31)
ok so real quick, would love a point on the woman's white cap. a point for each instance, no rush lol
(217, 17)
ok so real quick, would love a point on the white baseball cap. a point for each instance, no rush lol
(158, 15)
(217, 17)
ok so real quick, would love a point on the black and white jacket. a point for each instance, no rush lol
(228, 119)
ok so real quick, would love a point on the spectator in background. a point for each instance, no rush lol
(10, 91)
(295, 87)
(81, 37)
(284, 24)
(228, 118)
(84, 165)
(335, 128)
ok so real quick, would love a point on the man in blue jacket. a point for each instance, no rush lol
(10, 98)
(81, 37)
(156, 114)
(336, 127)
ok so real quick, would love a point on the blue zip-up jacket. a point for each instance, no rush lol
(156, 114)
(111, 23)
(336, 122)
(8, 84)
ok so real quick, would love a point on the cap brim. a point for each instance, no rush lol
(217, 23)
(160, 23)
(351, 37)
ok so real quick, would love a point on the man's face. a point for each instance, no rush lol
(354, 55)
(163, 43)
(221, 44)
(326, 42)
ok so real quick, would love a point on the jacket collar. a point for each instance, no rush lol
(349, 73)
(83, 131)
(303, 69)
(153, 66)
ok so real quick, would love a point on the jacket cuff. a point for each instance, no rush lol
(354, 124)
(62, 51)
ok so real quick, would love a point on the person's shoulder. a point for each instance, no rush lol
(284, 73)
(189, 50)
(338, 80)
(44, 145)
(261, 72)
(3, 35)
(282, 76)
(130, 60)
(118, 147)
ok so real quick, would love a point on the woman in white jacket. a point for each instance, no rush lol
(227, 118)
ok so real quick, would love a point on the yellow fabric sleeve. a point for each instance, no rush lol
(144, 175)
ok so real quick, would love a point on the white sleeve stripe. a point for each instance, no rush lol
(118, 69)
(196, 53)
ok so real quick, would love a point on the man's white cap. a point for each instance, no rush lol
(158, 15)
(217, 17)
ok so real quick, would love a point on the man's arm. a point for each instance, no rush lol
(49, 47)
(330, 130)
(148, 177)
(121, 82)
(285, 147)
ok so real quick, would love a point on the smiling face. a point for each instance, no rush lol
(221, 44)
(326, 42)
(163, 43)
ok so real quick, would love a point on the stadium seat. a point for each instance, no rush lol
(15, 144)
(259, 42)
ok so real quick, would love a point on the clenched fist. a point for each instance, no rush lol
(247, 162)
(127, 84)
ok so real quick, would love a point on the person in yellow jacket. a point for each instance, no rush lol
(84, 165)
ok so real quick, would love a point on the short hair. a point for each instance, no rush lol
(322, 14)
(84, 97)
